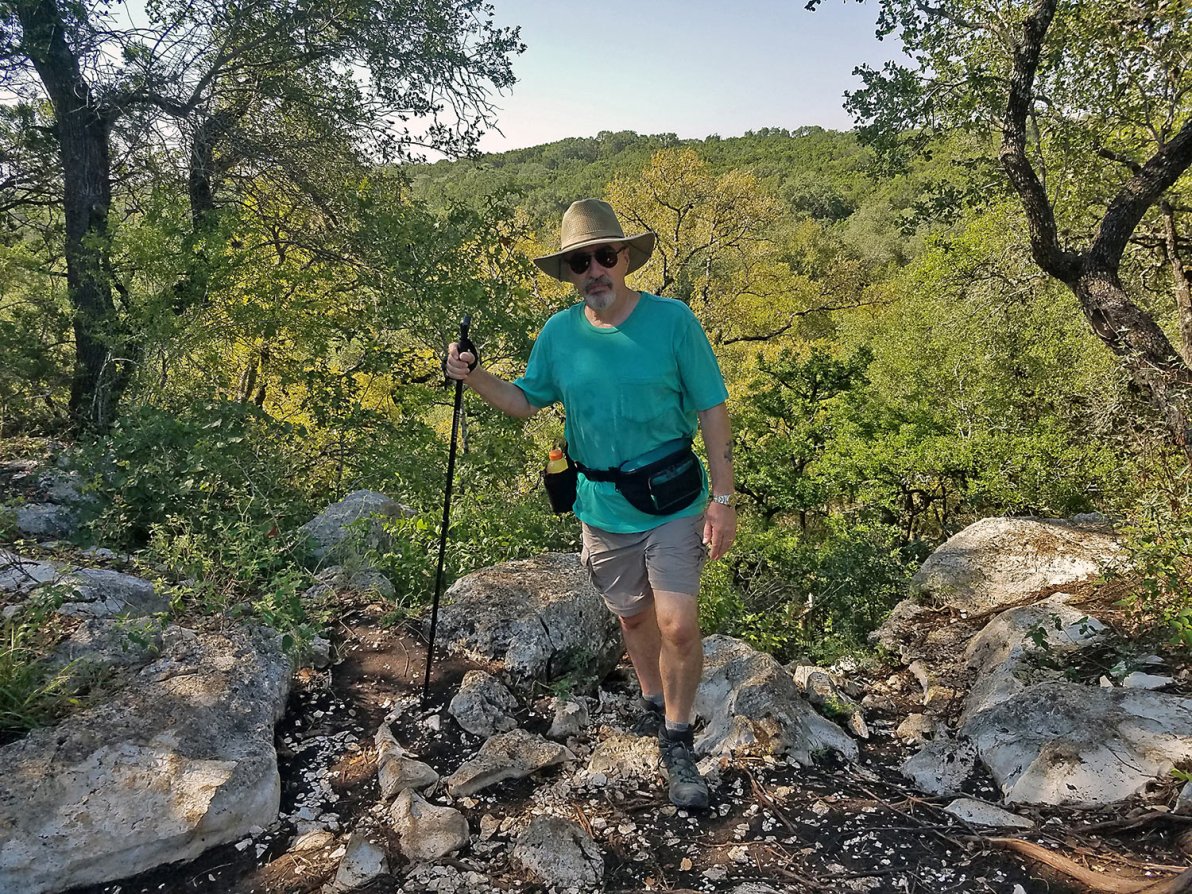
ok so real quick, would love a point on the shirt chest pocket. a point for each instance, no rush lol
(641, 401)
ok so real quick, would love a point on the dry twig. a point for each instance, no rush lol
(1101, 882)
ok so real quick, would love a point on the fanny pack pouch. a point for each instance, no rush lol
(662, 484)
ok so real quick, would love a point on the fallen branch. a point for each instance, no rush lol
(763, 797)
(1146, 819)
(1101, 882)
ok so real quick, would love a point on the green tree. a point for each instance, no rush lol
(234, 89)
(1091, 100)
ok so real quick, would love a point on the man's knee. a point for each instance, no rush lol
(636, 620)
(678, 622)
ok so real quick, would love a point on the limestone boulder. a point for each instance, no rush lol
(1007, 653)
(363, 511)
(427, 831)
(1063, 743)
(181, 759)
(46, 520)
(752, 704)
(100, 593)
(541, 618)
(999, 561)
(483, 706)
(512, 755)
(19, 575)
(560, 855)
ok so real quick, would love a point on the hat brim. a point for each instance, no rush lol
(640, 248)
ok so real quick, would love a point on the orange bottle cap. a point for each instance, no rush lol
(555, 453)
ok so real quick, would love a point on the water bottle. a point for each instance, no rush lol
(559, 478)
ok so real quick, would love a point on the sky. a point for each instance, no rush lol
(688, 67)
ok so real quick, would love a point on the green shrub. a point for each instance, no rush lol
(1159, 541)
(197, 467)
(33, 691)
(796, 597)
(238, 567)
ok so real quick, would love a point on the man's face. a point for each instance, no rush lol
(603, 273)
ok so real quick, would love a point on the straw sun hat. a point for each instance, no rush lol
(593, 222)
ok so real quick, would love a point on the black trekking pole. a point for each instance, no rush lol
(464, 345)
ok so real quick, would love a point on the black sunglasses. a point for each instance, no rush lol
(606, 257)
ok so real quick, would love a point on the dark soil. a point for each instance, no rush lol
(829, 828)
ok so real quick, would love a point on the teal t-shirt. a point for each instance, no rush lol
(625, 390)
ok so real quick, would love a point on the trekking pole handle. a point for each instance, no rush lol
(465, 343)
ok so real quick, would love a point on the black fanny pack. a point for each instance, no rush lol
(660, 482)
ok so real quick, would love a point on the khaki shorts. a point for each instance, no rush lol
(628, 568)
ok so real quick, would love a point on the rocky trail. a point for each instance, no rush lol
(771, 827)
(1015, 739)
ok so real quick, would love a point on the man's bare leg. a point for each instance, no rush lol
(643, 642)
(681, 652)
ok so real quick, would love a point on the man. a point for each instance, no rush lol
(634, 372)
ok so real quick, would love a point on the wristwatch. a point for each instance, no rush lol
(725, 499)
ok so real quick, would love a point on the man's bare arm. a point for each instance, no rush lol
(497, 392)
(720, 526)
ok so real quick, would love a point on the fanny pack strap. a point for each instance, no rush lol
(598, 474)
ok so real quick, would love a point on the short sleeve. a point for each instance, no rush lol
(699, 371)
(537, 383)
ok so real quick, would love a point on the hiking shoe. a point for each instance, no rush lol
(649, 720)
(687, 787)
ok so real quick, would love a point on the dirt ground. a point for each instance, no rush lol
(825, 829)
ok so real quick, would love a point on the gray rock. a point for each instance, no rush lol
(363, 863)
(102, 644)
(65, 487)
(46, 520)
(512, 755)
(372, 583)
(942, 766)
(540, 617)
(624, 756)
(319, 653)
(427, 831)
(99, 593)
(1062, 743)
(1006, 652)
(892, 634)
(483, 706)
(1050, 625)
(916, 729)
(178, 761)
(1140, 680)
(821, 690)
(331, 530)
(998, 561)
(571, 718)
(752, 704)
(559, 854)
(21, 575)
(1183, 804)
(981, 813)
(396, 769)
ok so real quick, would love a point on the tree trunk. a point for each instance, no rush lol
(100, 372)
(1142, 348)
(1181, 278)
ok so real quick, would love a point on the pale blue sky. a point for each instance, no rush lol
(689, 67)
